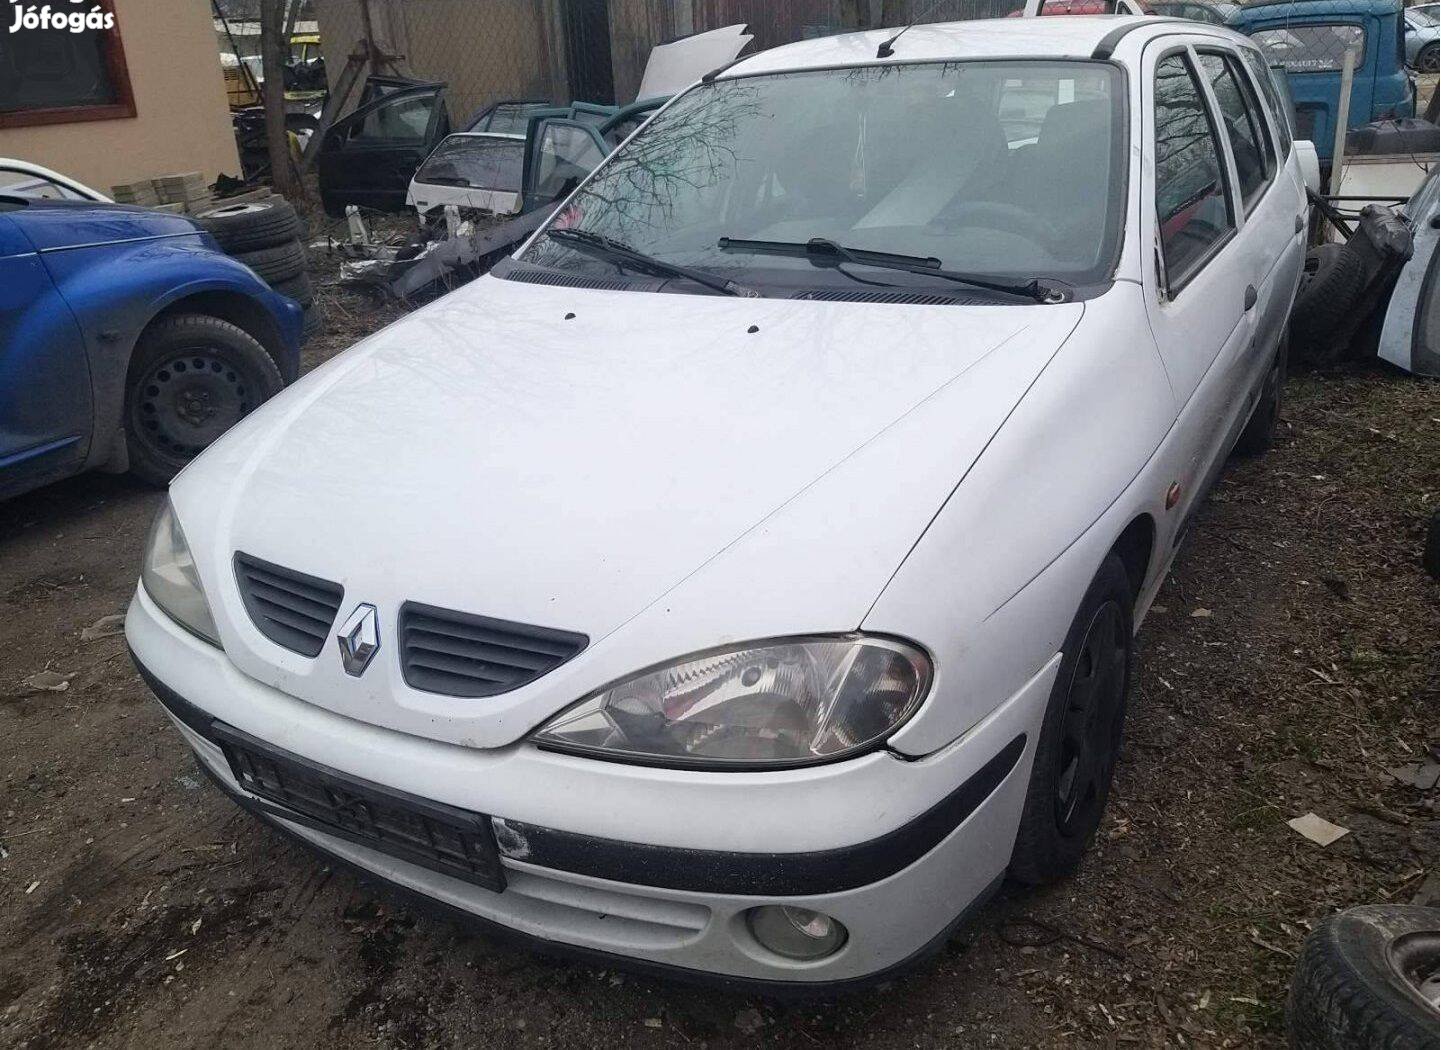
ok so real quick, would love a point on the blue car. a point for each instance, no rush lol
(1309, 39)
(128, 341)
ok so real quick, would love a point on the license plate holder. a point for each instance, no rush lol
(443, 838)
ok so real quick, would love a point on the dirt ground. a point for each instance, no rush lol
(1291, 661)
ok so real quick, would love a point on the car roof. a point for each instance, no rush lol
(1069, 36)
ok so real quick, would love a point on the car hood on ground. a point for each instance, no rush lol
(659, 472)
(52, 225)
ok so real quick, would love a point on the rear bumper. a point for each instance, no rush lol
(657, 900)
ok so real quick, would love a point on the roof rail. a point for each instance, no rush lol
(1107, 47)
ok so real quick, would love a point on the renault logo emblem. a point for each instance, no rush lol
(359, 639)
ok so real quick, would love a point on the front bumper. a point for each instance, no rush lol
(697, 851)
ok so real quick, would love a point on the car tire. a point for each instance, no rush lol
(191, 377)
(275, 265)
(253, 225)
(298, 288)
(1357, 981)
(313, 321)
(1427, 58)
(1260, 432)
(1080, 734)
(1332, 282)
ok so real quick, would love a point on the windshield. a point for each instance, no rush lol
(1423, 16)
(1014, 169)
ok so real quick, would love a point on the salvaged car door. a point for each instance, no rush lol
(559, 153)
(370, 157)
(1200, 293)
(45, 399)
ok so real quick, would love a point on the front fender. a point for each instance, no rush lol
(991, 587)
(116, 290)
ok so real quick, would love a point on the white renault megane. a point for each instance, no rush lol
(740, 580)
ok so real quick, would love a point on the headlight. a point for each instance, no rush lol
(782, 703)
(170, 578)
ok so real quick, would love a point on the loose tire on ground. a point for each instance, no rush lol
(1260, 432)
(1080, 735)
(1332, 283)
(313, 321)
(274, 265)
(191, 378)
(253, 225)
(298, 288)
(1357, 980)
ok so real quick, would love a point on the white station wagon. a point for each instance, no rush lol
(740, 580)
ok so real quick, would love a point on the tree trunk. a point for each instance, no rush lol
(274, 49)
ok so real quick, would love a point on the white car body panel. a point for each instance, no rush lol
(532, 428)
(30, 178)
(675, 66)
(667, 473)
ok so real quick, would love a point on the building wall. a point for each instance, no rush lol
(484, 49)
(182, 119)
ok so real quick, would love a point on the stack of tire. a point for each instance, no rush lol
(266, 236)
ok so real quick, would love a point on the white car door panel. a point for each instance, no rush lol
(1199, 286)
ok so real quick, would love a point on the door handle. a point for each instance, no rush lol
(1250, 296)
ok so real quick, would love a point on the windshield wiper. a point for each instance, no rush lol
(825, 252)
(606, 247)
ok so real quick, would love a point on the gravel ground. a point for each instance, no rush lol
(1290, 662)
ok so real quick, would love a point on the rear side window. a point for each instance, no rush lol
(1312, 48)
(1192, 208)
(401, 122)
(1281, 117)
(1255, 162)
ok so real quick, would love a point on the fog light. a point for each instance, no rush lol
(796, 933)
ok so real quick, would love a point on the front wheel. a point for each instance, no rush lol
(1426, 61)
(192, 378)
(1080, 734)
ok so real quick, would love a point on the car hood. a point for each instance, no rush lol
(658, 472)
(52, 225)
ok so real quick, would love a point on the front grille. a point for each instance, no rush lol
(460, 654)
(433, 835)
(290, 608)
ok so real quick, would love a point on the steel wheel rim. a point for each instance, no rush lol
(188, 399)
(1413, 958)
(1091, 721)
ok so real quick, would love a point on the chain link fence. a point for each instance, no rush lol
(596, 50)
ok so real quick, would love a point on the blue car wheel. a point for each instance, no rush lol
(192, 378)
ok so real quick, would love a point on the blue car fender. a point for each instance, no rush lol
(116, 290)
